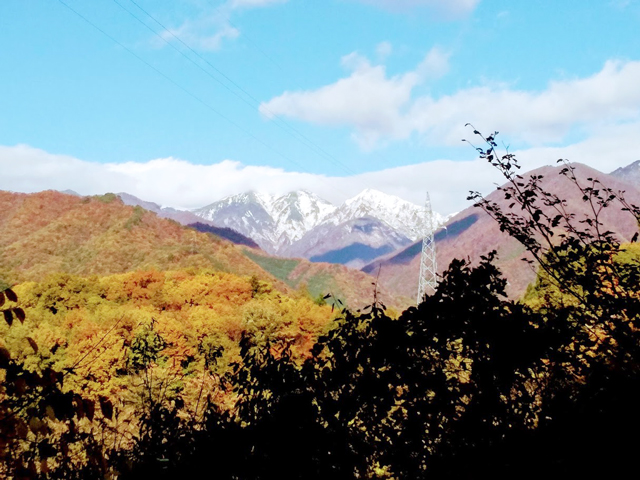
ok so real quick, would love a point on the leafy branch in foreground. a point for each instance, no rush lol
(574, 254)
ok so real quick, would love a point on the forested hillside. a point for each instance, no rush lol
(354, 288)
(51, 232)
(86, 323)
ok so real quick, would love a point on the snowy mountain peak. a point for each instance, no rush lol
(376, 198)
(273, 221)
(371, 194)
(276, 222)
(405, 217)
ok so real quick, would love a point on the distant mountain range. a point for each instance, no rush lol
(301, 224)
(273, 222)
(371, 231)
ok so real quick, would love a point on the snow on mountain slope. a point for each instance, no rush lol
(278, 223)
(245, 213)
(297, 213)
(185, 217)
(273, 222)
(405, 217)
(353, 243)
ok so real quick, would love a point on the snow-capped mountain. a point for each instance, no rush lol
(187, 218)
(278, 223)
(297, 213)
(273, 222)
(405, 217)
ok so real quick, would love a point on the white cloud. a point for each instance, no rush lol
(212, 27)
(204, 34)
(383, 50)
(181, 184)
(434, 65)
(28, 169)
(452, 8)
(379, 107)
(611, 95)
(367, 100)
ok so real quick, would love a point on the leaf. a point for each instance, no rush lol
(19, 312)
(50, 412)
(35, 425)
(106, 407)
(5, 356)
(89, 408)
(33, 344)
(8, 317)
(22, 430)
(11, 295)
(78, 405)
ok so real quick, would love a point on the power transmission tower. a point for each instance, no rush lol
(428, 265)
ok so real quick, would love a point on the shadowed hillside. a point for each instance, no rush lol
(226, 233)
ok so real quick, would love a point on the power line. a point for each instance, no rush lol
(283, 123)
(182, 53)
(253, 44)
(192, 95)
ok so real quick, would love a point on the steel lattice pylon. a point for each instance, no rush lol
(428, 267)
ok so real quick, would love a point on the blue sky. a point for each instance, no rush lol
(185, 101)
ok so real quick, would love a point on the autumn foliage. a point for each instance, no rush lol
(122, 345)
(195, 372)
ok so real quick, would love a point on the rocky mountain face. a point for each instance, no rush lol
(301, 224)
(404, 217)
(353, 243)
(273, 222)
(630, 173)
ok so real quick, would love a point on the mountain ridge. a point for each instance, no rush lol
(189, 219)
(279, 224)
(472, 233)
